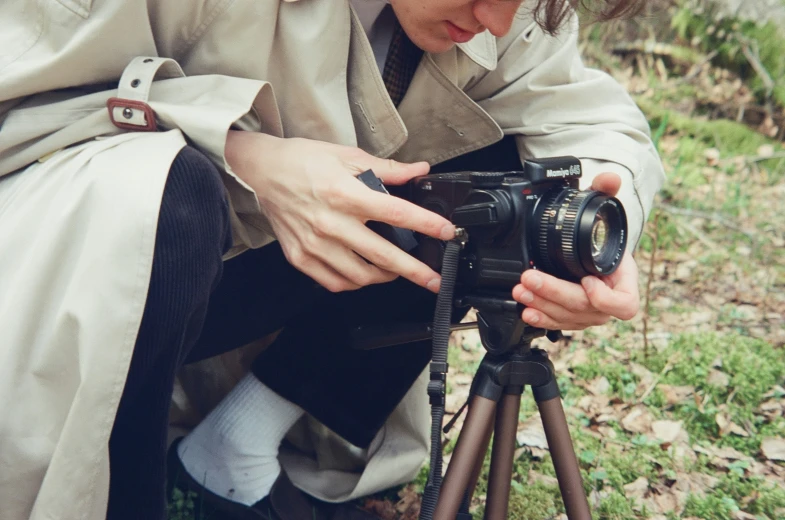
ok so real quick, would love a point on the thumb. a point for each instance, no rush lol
(394, 172)
(608, 183)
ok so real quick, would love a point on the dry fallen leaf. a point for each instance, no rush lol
(599, 386)
(727, 426)
(637, 489)
(696, 483)
(771, 409)
(683, 455)
(607, 431)
(766, 150)
(638, 420)
(718, 378)
(548, 480)
(579, 358)
(676, 394)
(712, 156)
(668, 500)
(773, 448)
(532, 434)
(384, 509)
(666, 431)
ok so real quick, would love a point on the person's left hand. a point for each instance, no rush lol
(555, 304)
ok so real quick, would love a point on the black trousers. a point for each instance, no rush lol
(199, 306)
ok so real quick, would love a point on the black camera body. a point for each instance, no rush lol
(530, 219)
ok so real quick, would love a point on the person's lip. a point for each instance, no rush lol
(457, 34)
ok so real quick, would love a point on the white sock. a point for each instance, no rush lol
(234, 451)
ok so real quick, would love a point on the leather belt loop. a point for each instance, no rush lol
(129, 110)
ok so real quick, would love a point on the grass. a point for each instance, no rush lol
(608, 464)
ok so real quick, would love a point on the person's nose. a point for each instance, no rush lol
(495, 15)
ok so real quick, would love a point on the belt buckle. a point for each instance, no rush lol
(129, 108)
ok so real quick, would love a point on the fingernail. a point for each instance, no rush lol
(434, 284)
(588, 283)
(534, 281)
(531, 318)
(448, 232)
(526, 297)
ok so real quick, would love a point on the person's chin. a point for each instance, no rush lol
(437, 44)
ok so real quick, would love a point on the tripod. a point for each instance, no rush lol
(509, 366)
(495, 397)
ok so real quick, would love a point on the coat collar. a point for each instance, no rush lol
(481, 49)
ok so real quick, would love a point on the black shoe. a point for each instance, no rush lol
(285, 501)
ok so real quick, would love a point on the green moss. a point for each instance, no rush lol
(752, 367)
(770, 503)
(728, 36)
(622, 381)
(734, 489)
(711, 507)
(534, 502)
(182, 505)
(730, 137)
(615, 506)
(422, 478)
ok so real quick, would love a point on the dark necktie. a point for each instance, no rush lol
(402, 60)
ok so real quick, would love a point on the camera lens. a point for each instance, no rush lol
(579, 233)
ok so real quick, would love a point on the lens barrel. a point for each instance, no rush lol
(579, 233)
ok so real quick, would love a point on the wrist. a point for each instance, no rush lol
(242, 150)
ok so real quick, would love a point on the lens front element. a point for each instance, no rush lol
(599, 236)
(579, 233)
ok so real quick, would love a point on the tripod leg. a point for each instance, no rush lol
(486, 441)
(502, 457)
(563, 454)
(464, 459)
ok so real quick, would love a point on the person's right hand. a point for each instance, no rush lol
(318, 209)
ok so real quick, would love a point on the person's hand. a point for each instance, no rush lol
(318, 209)
(555, 304)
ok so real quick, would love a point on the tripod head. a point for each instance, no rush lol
(500, 324)
(498, 320)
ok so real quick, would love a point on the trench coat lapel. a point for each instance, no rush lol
(435, 121)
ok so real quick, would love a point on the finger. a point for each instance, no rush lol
(608, 183)
(390, 258)
(372, 205)
(388, 170)
(565, 318)
(539, 319)
(569, 295)
(322, 274)
(350, 265)
(618, 293)
(622, 302)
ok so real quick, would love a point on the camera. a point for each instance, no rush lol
(536, 218)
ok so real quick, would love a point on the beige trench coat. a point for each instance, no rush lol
(79, 197)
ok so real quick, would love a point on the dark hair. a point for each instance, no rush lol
(550, 14)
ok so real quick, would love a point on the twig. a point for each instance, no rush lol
(759, 158)
(667, 368)
(707, 216)
(654, 244)
(757, 65)
(698, 67)
(697, 234)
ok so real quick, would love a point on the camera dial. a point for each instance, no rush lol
(487, 180)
